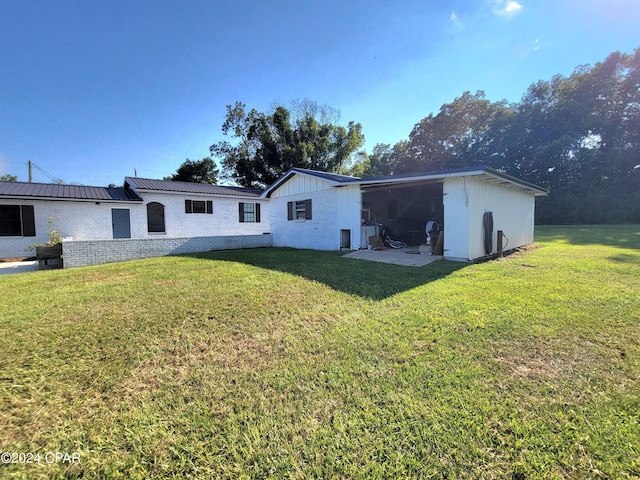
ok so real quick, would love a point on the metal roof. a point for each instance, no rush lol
(334, 177)
(188, 187)
(339, 180)
(66, 192)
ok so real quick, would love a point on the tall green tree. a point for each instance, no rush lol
(196, 171)
(8, 178)
(264, 146)
(577, 135)
(457, 136)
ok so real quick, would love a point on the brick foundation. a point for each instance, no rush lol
(80, 253)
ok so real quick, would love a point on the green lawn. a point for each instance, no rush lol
(275, 363)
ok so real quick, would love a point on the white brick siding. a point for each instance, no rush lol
(223, 221)
(78, 219)
(333, 209)
(90, 220)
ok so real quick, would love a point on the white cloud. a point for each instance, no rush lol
(454, 19)
(506, 8)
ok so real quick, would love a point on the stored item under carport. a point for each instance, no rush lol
(438, 250)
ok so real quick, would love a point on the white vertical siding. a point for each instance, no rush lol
(513, 213)
(456, 218)
(349, 216)
(300, 184)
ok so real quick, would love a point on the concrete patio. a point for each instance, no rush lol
(401, 256)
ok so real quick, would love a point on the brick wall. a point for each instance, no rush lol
(78, 253)
(78, 219)
(223, 221)
(333, 210)
(89, 220)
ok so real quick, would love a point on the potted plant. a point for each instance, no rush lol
(52, 250)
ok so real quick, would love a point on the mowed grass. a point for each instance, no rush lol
(278, 363)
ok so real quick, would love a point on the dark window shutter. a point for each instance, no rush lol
(188, 208)
(307, 207)
(257, 213)
(209, 206)
(241, 212)
(289, 210)
(28, 221)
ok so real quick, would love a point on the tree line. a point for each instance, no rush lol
(578, 136)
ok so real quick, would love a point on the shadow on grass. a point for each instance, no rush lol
(370, 280)
(625, 258)
(625, 236)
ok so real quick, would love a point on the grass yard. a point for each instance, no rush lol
(275, 363)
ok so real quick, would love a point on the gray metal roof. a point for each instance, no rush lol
(408, 177)
(188, 187)
(65, 192)
(334, 177)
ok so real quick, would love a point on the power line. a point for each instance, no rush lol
(50, 176)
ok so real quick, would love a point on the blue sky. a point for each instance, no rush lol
(91, 90)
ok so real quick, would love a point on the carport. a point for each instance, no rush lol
(403, 208)
(459, 200)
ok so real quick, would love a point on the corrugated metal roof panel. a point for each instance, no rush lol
(188, 187)
(71, 192)
(408, 177)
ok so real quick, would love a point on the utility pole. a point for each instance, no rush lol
(30, 172)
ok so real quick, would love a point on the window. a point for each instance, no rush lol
(300, 210)
(17, 221)
(155, 217)
(249, 212)
(198, 206)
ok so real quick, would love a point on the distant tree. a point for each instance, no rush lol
(579, 136)
(196, 171)
(457, 136)
(8, 178)
(267, 145)
(382, 161)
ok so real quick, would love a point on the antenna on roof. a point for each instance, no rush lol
(135, 172)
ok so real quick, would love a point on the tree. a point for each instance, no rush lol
(8, 178)
(579, 136)
(459, 135)
(267, 145)
(196, 171)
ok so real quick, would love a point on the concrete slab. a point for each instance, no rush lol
(401, 256)
(18, 267)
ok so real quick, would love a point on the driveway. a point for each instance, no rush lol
(18, 267)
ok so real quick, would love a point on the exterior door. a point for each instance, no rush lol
(121, 223)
